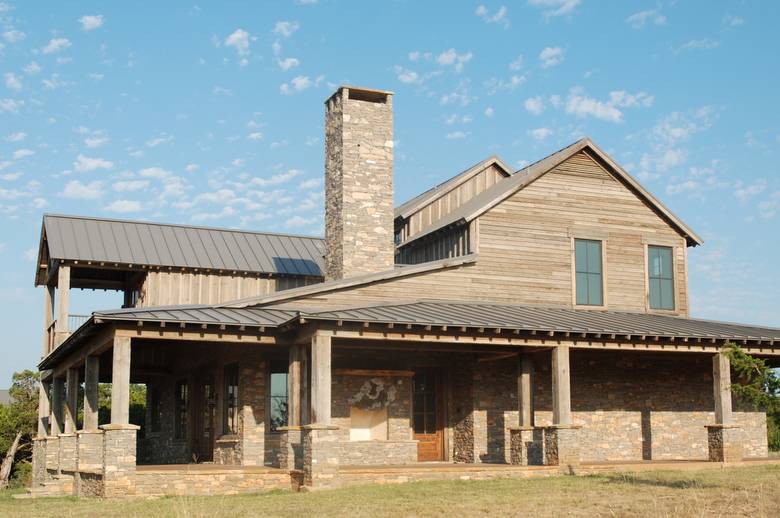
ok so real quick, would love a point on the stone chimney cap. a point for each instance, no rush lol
(359, 89)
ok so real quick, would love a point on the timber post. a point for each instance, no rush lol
(525, 439)
(724, 437)
(561, 440)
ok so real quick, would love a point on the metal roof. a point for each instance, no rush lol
(202, 314)
(508, 186)
(77, 238)
(409, 207)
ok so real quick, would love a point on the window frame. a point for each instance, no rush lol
(230, 373)
(181, 411)
(601, 238)
(277, 367)
(673, 246)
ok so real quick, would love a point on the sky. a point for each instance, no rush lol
(211, 113)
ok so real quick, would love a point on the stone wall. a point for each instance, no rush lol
(460, 410)
(163, 447)
(211, 482)
(251, 394)
(495, 409)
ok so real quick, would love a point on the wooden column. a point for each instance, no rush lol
(91, 381)
(525, 390)
(320, 379)
(48, 316)
(63, 286)
(305, 382)
(721, 377)
(44, 409)
(71, 400)
(57, 389)
(294, 379)
(561, 386)
(120, 381)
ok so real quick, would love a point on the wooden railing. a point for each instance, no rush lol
(74, 322)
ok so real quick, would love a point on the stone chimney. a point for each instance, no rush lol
(358, 182)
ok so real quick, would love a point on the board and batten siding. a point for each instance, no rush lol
(434, 211)
(525, 248)
(161, 288)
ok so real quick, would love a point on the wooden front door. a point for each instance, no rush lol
(204, 422)
(427, 412)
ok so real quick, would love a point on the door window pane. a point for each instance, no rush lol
(278, 395)
(589, 287)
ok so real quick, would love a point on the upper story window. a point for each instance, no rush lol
(278, 395)
(588, 272)
(660, 269)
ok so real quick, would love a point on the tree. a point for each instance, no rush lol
(20, 416)
(757, 384)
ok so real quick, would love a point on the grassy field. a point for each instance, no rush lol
(753, 491)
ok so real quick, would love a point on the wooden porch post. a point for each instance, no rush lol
(48, 315)
(561, 386)
(63, 285)
(91, 380)
(721, 376)
(57, 389)
(525, 390)
(294, 379)
(71, 400)
(120, 381)
(44, 408)
(320, 379)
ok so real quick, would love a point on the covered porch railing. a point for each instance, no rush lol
(73, 323)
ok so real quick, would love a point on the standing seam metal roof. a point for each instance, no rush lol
(76, 238)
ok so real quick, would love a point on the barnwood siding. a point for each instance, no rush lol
(431, 213)
(161, 288)
(525, 252)
(452, 243)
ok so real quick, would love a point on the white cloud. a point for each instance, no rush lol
(173, 186)
(162, 139)
(219, 90)
(255, 135)
(13, 82)
(500, 16)
(299, 84)
(95, 76)
(580, 105)
(495, 84)
(22, 153)
(639, 19)
(90, 22)
(123, 206)
(81, 191)
(39, 203)
(10, 177)
(702, 44)
(130, 185)
(288, 63)
(555, 7)
(534, 105)
(623, 99)
(16, 137)
(452, 58)
(285, 29)
(415, 55)
(10, 105)
(449, 120)
(300, 221)
(682, 187)
(85, 164)
(460, 95)
(744, 192)
(551, 56)
(516, 64)
(540, 133)
(489, 112)
(311, 183)
(240, 40)
(32, 68)
(769, 207)
(406, 76)
(733, 21)
(456, 135)
(277, 179)
(55, 45)
(13, 36)
(95, 141)
(191, 168)
(54, 82)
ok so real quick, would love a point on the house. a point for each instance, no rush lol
(501, 320)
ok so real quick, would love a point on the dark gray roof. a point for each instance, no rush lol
(76, 238)
(202, 314)
(5, 397)
(508, 186)
(407, 208)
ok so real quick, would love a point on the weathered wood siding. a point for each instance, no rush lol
(525, 247)
(431, 213)
(161, 288)
(453, 243)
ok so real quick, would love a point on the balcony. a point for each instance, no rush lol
(55, 336)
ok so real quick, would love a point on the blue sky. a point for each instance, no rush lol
(211, 113)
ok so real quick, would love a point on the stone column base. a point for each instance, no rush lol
(119, 456)
(527, 446)
(562, 447)
(291, 447)
(725, 443)
(320, 457)
(90, 444)
(39, 461)
(53, 455)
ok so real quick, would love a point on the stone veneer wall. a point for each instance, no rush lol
(460, 410)
(163, 447)
(399, 448)
(252, 393)
(495, 410)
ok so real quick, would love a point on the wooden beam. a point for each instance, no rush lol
(71, 400)
(561, 386)
(63, 287)
(120, 381)
(525, 388)
(91, 381)
(320, 378)
(294, 382)
(721, 378)
(374, 372)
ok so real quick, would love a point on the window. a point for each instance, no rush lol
(181, 404)
(588, 272)
(425, 403)
(661, 277)
(155, 409)
(230, 416)
(278, 395)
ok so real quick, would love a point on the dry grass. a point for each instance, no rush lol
(753, 491)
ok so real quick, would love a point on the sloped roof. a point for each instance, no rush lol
(507, 187)
(409, 207)
(138, 243)
(202, 314)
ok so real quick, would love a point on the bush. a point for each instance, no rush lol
(22, 475)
